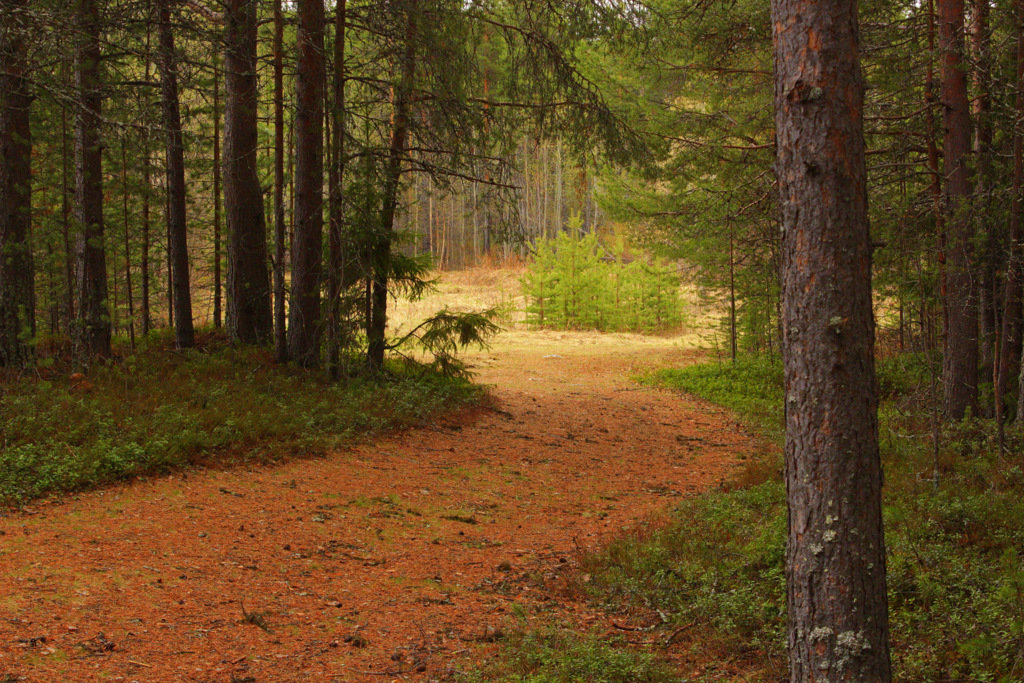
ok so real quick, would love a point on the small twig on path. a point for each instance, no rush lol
(634, 628)
(138, 663)
(361, 672)
(678, 632)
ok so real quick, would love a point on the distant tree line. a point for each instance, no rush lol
(280, 168)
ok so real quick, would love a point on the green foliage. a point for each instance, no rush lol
(719, 563)
(956, 579)
(573, 283)
(446, 332)
(160, 410)
(752, 387)
(555, 656)
(955, 566)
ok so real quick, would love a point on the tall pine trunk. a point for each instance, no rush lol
(248, 292)
(337, 196)
(184, 333)
(17, 278)
(304, 323)
(280, 337)
(992, 230)
(381, 252)
(217, 297)
(93, 333)
(960, 361)
(835, 559)
(1015, 273)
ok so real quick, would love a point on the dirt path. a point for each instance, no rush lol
(386, 562)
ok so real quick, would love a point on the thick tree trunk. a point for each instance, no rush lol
(835, 565)
(304, 323)
(184, 332)
(17, 277)
(280, 335)
(93, 333)
(960, 364)
(381, 254)
(248, 311)
(337, 196)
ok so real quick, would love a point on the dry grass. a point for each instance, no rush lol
(481, 288)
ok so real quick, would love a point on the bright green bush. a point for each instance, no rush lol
(575, 283)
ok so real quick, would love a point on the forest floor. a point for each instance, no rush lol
(399, 559)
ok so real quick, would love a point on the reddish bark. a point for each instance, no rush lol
(304, 323)
(248, 292)
(280, 336)
(960, 360)
(835, 564)
(93, 333)
(337, 198)
(184, 332)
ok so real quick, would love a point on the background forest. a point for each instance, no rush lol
(476, 162)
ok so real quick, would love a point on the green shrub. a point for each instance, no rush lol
(574, 283)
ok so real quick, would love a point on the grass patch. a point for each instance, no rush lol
(955, 547)
(956, 577)
(751, 388)
(159, 410)
(561, 656)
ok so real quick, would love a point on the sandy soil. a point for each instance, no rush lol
(390, 561)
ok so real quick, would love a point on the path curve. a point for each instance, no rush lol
(388, 561)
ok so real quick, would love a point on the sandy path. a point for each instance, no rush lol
(386, 562)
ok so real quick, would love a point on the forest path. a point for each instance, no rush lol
(388, 561)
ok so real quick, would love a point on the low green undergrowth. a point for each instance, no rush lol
(955, 543)
(561, 656)
(956, 576)
(159, 409)
(751, 388)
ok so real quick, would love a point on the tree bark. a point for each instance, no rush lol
(835, 563)
(127, 244)
(217, 296)
(17, 277)
(184, 332)
(337, 195)
(66, 232)
(381, 254)
(304, 324)
(960, 362)
(93, 333)
(249, 317)
(280, 336)
(147, 188)
(988, 299)
(1015, 273)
